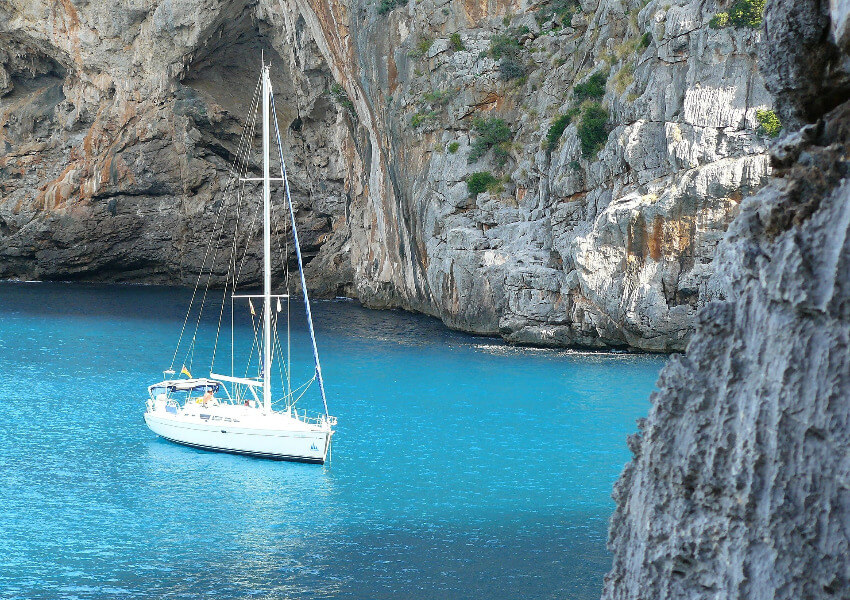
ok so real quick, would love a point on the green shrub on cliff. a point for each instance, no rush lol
(439, 98)
(507, 49)
(491, 133)
(456, 42)
(743, 13)
(593, 129)
(422, 46)
(510, 68)
(769, 123)
(562, 9)
(423, 117)
(592, 89)
(387, 5)
(558, 126)
(453, 147)
(508, 44)
(479, 182)
(747, 13)
(504, 45)
(337, 92)
(719, 21)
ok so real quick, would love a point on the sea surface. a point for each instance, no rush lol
(461, 467)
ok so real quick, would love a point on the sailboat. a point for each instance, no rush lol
(236, 413)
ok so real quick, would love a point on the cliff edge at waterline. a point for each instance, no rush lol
(557, 173)
(740, 482)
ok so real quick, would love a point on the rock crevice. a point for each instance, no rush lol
(383, 114)
(740, 480)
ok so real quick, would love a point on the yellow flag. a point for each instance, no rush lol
(251, 304)
(185, 371)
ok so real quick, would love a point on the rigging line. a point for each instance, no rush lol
(251, 230)
(303, 386)
(277, 349)
(298, 253)
(280, 354)
(237, 275)
(232, 276)
(212, 265)
(310, 192)
(255, 324)
(309, 383)
(231, 259)
(206, 292)
(288, 346)
(200, 274)
(285, 267)
(232, 338)
(299, 112)
(242, 157)
(195, 290)
(228, 279)
(233, 255)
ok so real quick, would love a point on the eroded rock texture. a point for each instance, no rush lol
(740, 483)
(118, 124)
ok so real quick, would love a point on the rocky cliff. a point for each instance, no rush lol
(611, 142)
(740, 483)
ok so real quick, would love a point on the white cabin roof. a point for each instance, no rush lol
(200, 384)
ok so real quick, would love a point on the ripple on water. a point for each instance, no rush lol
(462, 467)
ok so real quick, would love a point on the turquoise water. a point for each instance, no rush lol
(462, 468)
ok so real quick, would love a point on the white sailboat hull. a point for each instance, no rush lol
(271, 442)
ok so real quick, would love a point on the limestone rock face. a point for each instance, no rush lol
(740, 482)
(118, 126)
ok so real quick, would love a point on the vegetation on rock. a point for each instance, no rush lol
(506, 44)
(387, 5)
(561, 11)
(453, 147)
(479, 182)
(743, 13)
(422, 46)
(511, 69)
(592, 89)
(593, 129)
(492, 134)
(338, 94)
(439, 97)
(456, 42)
(769, 123)
(719, 21)
(422, 117)
(558, 126)
(747, 13)
(507, 49)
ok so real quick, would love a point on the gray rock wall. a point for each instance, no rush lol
(118, 125)
(740, 482)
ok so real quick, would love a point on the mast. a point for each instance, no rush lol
(267, 267)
